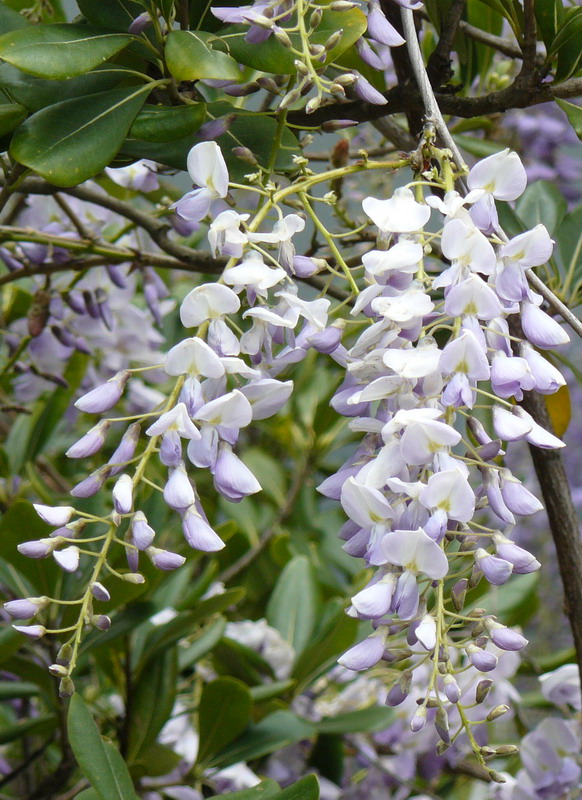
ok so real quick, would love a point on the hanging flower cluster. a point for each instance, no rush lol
(434, 351)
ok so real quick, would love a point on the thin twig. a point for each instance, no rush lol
(439, 62)
(433, 112)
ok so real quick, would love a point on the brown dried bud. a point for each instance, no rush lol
(38, 313)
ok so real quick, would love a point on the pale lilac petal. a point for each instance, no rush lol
(502, 175)
(540, 329)
(207, 302)
(364, 655)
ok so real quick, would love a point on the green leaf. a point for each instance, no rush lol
(167, 123)
(87, 794)
(514, 602)
(238, 660)
(202, 645)
(190, 57)
(305, 789)
(549, 18)
(274, 732)
(60, 51)
(574, 114)
(11, 20)
(27, 727)
(11, 115)
(273, 57)
(152, 702)
(334, 638)
(224, 713)
(11, 689)
(268, 690)
(264, 791)
(99, 761)
(293, 606)
(569, 242)
(19, 524)
(155, 762)
(36, 93)
(542, 203)
(74, 140)
(112, 14)
(566, 45)
(366, 720)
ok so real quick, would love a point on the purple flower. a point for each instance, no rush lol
(104, 397)
(26, 608)
(164, 559)
(232, 478)
(365, 654)
(198, 532)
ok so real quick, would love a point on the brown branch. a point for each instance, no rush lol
(562, 517)
(528, 75)
(403, 98)
(439, 63)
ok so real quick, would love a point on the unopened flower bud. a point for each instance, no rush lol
(68, 558)
(39, 548)
(64, 655)
(32, 631)
(333, 40)
(481, 659)
(452, 690)
(301, 68)
(347, 79)
(497, 712)
(506, 750)
(312, 105)
(289, 99)
(458, 594)
(496, 777)
(99, 592)
(164, 559)
(66, 688)
(91, 442)
(316, 50)
(482, 690)
(58, 670)
(282, 37)
(125, 450)
(101, 621)
(337, 88)
(418, 720)
(133, 577)
(91, 484)
(504, 637)
(315, 17)
(140, 23)
(26, 608)
(342, 5)
(333, 125)
(105, 396)
(269, 85)
(123, 494)
(442, 725)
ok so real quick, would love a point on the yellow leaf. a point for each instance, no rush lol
(560, 410)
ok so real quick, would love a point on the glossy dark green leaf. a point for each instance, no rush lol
(542, 202)
(58, 51)
(305, 789)
(112, 14)
(72, 141)
(11, 20)
(36, 93)
(566, 45)
(365, 720)
(156, 761)
(10, 642)
(236, 659)
(99, 761)
(549, 18)
(223, 714)
(273, 57)
(167, 123)
(152, 702)
(27, 727)
(275, 731)
(11, 115)
(293, 605)
(190, 57)
(574, 114)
